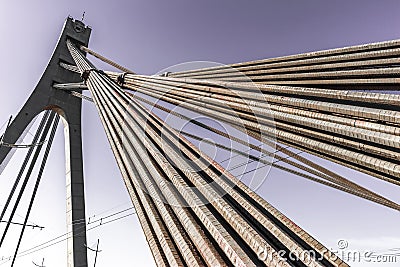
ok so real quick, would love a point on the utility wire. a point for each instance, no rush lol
(30, 225)
(42, 265)
(110, 209)
(101, 219)
(95, 250)
(79, 221)
(40, 246)
(31, 222)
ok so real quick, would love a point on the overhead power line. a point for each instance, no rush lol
(57, 240)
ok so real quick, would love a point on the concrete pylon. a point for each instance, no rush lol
(45, 97)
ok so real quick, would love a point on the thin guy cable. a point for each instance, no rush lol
(38, 179)
(26, 160)
(28, 174)
(104, 59)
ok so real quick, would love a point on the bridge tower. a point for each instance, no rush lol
(46, 97)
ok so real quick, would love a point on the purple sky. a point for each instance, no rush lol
(147, 36)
